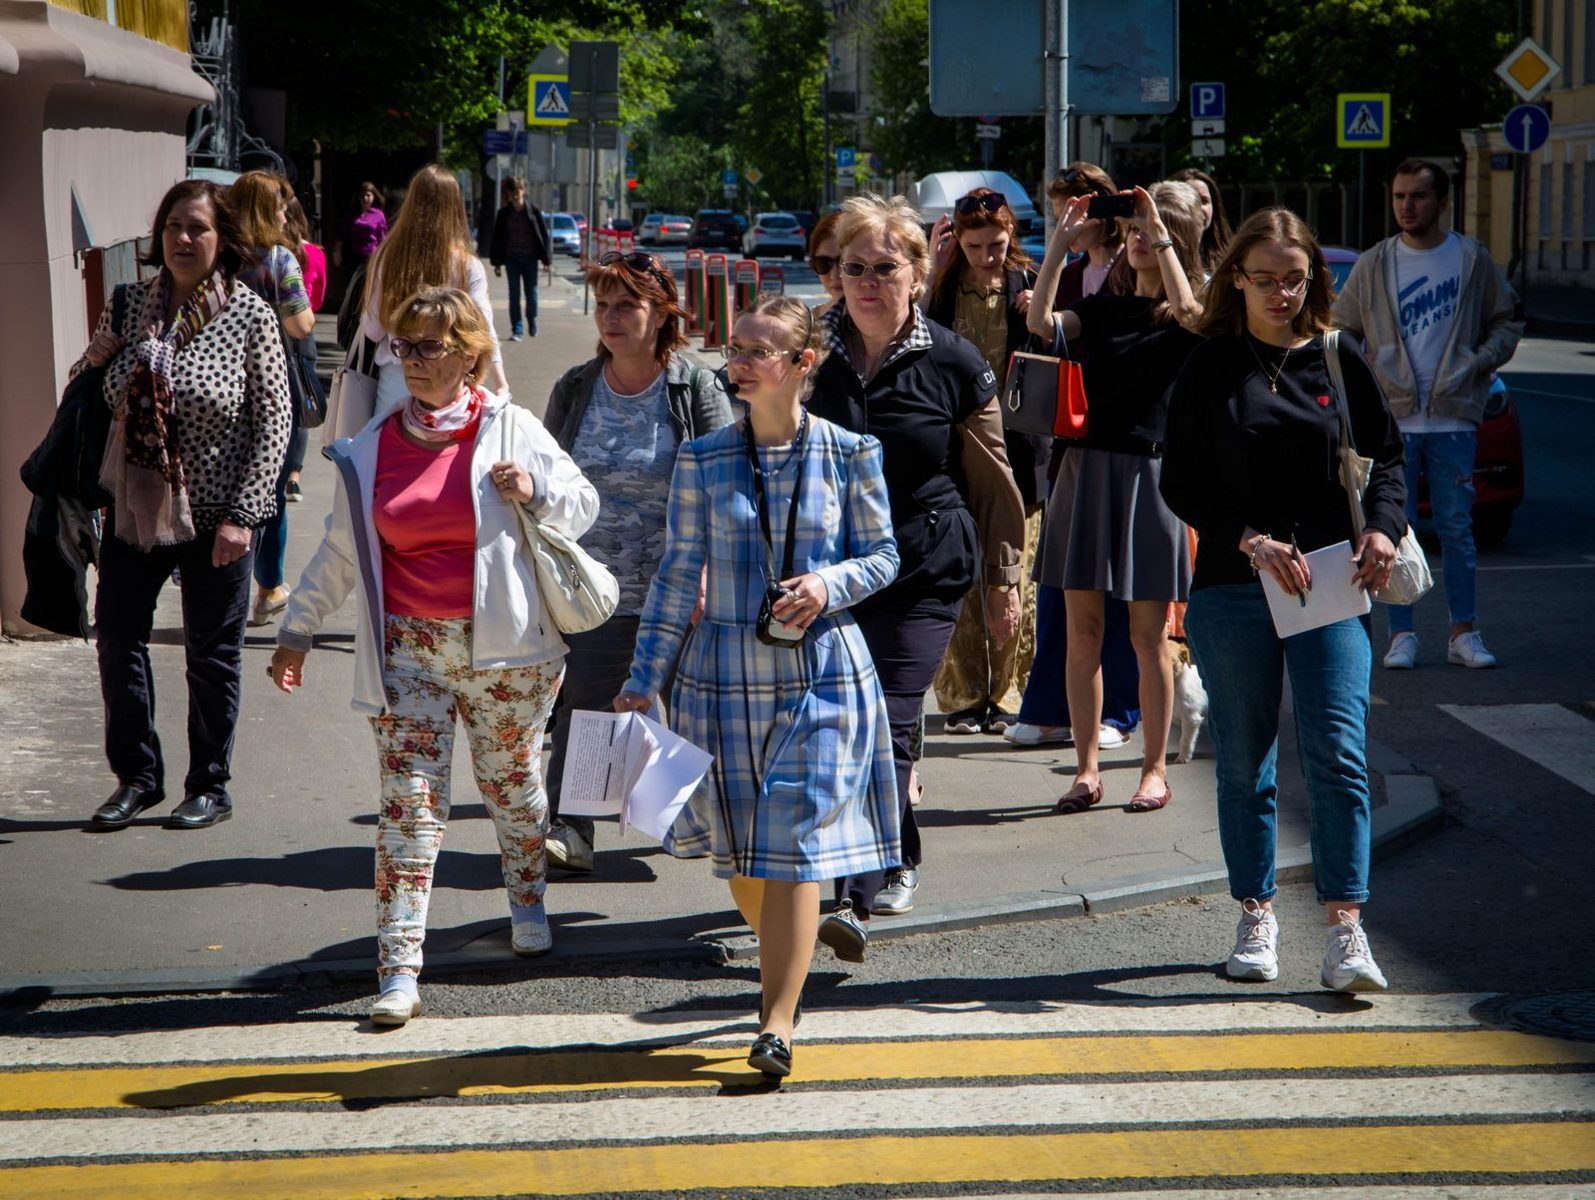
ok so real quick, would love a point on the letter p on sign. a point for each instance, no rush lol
(1207, 101)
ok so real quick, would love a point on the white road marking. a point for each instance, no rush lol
(311, 1039)
(1560, 741)
(913, 1110)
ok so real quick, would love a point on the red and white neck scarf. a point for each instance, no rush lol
(454, 422)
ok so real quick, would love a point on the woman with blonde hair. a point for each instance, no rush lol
(429, 246)
(1254, 434)
(1107, 531)
(449, 620)
(785, 516)
(931, 399)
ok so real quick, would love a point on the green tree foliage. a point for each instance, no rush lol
(907, 135)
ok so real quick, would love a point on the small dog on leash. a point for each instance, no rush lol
(1190, 699)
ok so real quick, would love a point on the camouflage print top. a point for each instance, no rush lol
(626, 445)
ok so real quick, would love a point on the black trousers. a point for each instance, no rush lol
(215, 608)
(596, 669)
(907, 650)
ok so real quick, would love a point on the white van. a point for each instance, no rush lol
(935, 195)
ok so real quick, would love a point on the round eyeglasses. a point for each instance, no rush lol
(427, 348)
(1267, 285)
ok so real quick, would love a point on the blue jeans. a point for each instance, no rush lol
(1046, 702)
(271, 540)
(1243, 661)
(1447, 459)
(522, 274)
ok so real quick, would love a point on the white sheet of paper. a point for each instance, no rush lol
(1333, 596)
(595, 779)
(672, 768)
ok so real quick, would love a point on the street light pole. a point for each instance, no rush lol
(1055, 60)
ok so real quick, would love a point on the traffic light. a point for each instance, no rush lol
(631, 183)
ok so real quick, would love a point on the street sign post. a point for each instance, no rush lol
(505, 141)
(988, 132)
(1526, 128)
(548, 100)
(1206, 129)
(1207, 101)
(1207, 147)
(1362, 121)
(753, 175)
(1528, 70)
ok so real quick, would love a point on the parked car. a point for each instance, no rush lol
(775, 233)
(618, 225)
(806, 220)
(564, 234)
(714, 228)
(1498, 460)
(935, 195)
(664, 229)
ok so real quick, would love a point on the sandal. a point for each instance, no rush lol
(1077, 801)
(1141, 802)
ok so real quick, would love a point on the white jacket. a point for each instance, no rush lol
(510, 627)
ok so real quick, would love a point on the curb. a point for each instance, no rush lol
(1412, 810)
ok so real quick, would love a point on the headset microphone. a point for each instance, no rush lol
(726, 384)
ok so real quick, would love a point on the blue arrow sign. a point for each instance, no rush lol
(1207, 101)
(1527, 127)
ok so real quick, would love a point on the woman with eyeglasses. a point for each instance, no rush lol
(430, 246)
(981, 290)
(825, 257)
(1253, 441)
(1107, 531)
(931, 399)
(1044, 712)
(786, 517)
(449, 621)
(623, 416)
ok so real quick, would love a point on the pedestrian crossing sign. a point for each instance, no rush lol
(1364, 120)
(549, 103)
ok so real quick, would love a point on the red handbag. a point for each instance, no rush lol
(1044, 394)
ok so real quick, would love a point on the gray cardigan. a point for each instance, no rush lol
(697, 403)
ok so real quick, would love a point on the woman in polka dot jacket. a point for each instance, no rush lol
(197, 376)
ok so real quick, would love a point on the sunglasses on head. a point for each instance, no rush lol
(427, 348)
(968, 206)
(636, 260)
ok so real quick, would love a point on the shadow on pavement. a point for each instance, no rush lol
(334, 868)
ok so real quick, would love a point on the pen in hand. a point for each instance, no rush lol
(1296, 553)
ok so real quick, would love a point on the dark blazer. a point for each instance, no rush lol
(542, 250)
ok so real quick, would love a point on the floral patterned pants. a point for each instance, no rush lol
(429, 680)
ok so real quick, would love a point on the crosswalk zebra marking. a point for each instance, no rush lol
(1557, 739)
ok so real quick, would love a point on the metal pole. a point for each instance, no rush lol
(1055, 66)
(825, 116)
(1362, 200)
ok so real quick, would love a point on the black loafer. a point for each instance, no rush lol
(124, 804)
(200, 812)
(770, 1055)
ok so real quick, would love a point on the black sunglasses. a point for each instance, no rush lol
(637, 260)
(823, 264)
(990, 202)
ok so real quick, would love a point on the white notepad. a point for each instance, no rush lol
(629, 764)
(1333, 596)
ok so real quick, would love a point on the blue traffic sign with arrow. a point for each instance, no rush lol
(1527, 128)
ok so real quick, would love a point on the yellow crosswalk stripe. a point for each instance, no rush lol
(688, 1067)
(841, 1162)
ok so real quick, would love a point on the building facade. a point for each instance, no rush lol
(95, 97)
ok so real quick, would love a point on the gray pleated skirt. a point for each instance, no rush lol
(1108, 530)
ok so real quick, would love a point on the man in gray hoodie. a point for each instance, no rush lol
(1436, 317)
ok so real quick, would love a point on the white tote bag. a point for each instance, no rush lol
(352, 398)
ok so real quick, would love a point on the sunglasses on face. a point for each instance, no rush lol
(427, 348)
(635, 260)
(968, 206)
(1267, 285)
(823, 264)
(884, 269)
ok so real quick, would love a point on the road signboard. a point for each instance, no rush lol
(846, 156)
(1207, 147)
(505, 141)
(582, 136)
(595, 66)
(753, 175)
(1362, 120)
(1207, 101)
(548, 100)
(728, 178)
(1528, 70)
(730, 191)
(1527, 127)
(1207, 129)
(989, 133)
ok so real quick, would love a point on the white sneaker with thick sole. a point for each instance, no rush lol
(1256, 953)
(1403, 652)
(1348, 959)
(1021, 734)
(1467, 650)
(395, 1007)
(567, 849)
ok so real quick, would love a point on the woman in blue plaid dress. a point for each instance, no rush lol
(803, 787)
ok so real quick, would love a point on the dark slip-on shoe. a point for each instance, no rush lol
(123, 805)
(200, 812)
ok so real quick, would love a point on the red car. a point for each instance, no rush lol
(1498, 462)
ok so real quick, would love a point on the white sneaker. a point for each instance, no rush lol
(1467, 650)
(1256, 953)
(1348, 960)
(395, 1007)
(533, 937)
(568, 849)
(1109, 738)
(1021, 734)
(1403, 652)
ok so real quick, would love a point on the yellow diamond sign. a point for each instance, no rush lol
(1528, 70)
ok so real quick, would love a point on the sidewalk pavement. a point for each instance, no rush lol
(282, 892)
